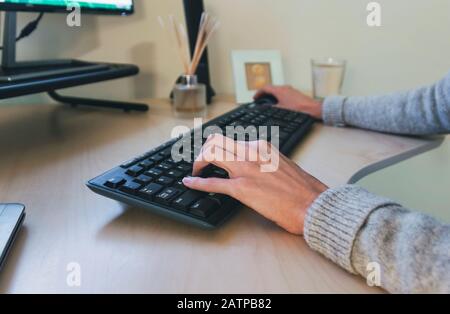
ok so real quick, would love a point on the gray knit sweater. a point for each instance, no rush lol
(357, 229)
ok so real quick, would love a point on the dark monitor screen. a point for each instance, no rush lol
(92, 6)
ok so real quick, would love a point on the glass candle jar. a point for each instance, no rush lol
(328, 77)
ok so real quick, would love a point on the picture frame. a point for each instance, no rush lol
(253, 69)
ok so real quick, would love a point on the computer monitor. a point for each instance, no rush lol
(193, 11)
(119, 7)
(122, 7)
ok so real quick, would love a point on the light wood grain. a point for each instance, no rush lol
(49, 152)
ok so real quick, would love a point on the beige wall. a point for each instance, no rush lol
(411, 48)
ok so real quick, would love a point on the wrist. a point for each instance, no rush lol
(310, 106)
(316, 109)
(293, 220)
(315, 193)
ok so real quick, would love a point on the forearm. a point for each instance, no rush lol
(419, 112)
(354, 228)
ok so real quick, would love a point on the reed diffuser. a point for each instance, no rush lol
(189, 96)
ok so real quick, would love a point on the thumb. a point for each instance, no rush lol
(210, 185)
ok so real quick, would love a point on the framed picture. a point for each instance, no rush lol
(253, 69)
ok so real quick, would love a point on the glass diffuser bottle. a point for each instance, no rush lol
(189, 98)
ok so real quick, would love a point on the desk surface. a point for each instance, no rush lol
(50, 151)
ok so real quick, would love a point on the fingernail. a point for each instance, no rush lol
(187, 180)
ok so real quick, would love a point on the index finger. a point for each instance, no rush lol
(219, 157)
(218, 150)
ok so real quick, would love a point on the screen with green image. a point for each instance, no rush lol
(113, 5)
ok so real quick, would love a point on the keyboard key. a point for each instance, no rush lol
(276, 122)
(157, 158)
(173, 162)
(204, 207)
(131, 188)
(146, 164)
(300, 119)
(155, 150)
(165, 180)
(235, 123)
(150, 191)
(167, 195)
(141, 157)
(179, 183)
(129, 163)
(236, 115)
(175, 174)
(280, 115)
(186, 199)
(149, 153)
(166, 152)
(165, 166)
(288, 129)
(221, 123)
(185, 167)
(294, 125)
(114, 183)
(154, 173)
(220, 198)
(143, 179)
(248, 117)
(291, 116)
(135, 171)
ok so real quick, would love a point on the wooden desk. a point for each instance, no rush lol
(50, 151)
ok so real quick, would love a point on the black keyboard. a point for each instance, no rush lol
(153, 180)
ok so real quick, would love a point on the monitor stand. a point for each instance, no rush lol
(12, 71)
(9, 62)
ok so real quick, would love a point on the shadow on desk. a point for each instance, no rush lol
(56, 133)
(145, 225)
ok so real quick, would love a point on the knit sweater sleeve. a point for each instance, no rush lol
(357, 230)
(422, 111)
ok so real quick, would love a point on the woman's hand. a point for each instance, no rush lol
(292, 99)
(282, 195)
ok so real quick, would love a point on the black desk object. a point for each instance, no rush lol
(55, 78)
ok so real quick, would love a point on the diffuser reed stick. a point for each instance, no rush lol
(208, 26)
